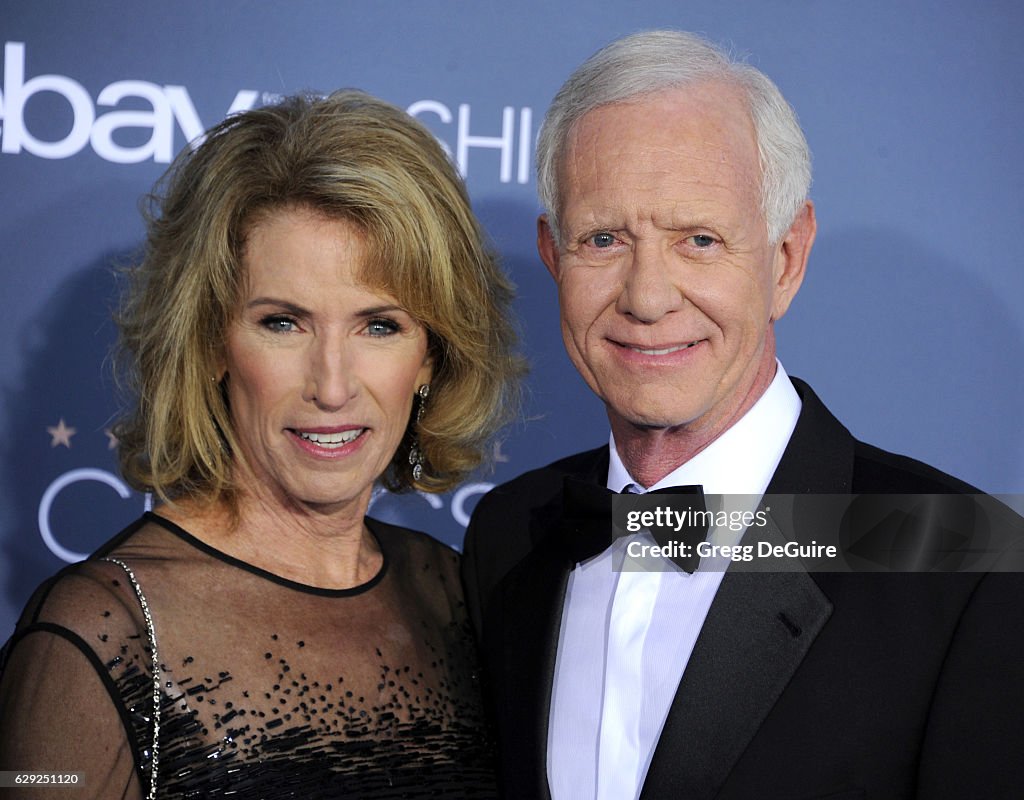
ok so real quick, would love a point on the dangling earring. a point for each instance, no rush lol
(415, 454)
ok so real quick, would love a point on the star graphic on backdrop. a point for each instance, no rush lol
(499, 457)
(61, 434)
(112, 441)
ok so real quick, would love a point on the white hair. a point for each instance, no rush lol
(654, 61)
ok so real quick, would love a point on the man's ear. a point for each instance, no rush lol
(547, 246)
(791, 259)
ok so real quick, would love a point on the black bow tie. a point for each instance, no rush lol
(587, 513)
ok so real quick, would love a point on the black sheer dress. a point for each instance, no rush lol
(268, 688)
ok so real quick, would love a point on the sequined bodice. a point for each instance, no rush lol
(269, 688)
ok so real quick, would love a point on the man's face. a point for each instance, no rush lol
(668, 285)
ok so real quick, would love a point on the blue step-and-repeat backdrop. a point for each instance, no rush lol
(908, 325)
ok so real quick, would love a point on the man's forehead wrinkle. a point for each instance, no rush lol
(653, 163)
(597, 168)
(613, 198)
(726, 132)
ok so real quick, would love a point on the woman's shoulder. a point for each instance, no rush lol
(76, 629)
(417, 557)
(93, 599)
(399, 540)
(81, 598)
(426, 573)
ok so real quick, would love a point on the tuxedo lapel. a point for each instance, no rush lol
(530, 604)
(819, 456)
(757, 632)
(532, 597)
(520, 596)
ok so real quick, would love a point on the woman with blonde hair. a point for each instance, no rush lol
(316, 313)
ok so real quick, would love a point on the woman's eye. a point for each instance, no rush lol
(702, 240)
(279, 324)
(382, 327)
(602, 240)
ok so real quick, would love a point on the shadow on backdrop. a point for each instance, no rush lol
(66, 376)
(914, 352)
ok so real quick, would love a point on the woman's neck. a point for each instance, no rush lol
(328, 550)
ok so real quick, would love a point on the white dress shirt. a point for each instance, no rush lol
(627, 635)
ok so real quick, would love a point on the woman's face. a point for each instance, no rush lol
(321, 369)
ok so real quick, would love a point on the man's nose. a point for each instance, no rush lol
(649, 291)
(330, 380)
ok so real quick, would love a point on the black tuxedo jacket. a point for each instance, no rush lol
(800, 685)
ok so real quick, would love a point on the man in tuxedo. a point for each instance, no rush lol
(678, 231)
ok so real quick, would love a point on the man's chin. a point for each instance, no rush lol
(651, 419)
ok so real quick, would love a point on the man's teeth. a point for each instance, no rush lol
(663, 351)
(332, 440)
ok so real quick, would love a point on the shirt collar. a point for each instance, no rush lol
(740, 461)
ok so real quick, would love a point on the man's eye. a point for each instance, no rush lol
(602, 240)
(381, 327)
(702, 240)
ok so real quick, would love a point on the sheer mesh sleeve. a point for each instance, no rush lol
(60, 710)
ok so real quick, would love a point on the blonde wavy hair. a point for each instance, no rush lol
(348, 156)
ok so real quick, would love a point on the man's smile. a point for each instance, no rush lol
(657, 350)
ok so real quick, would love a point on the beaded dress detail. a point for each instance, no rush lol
(269, 688)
